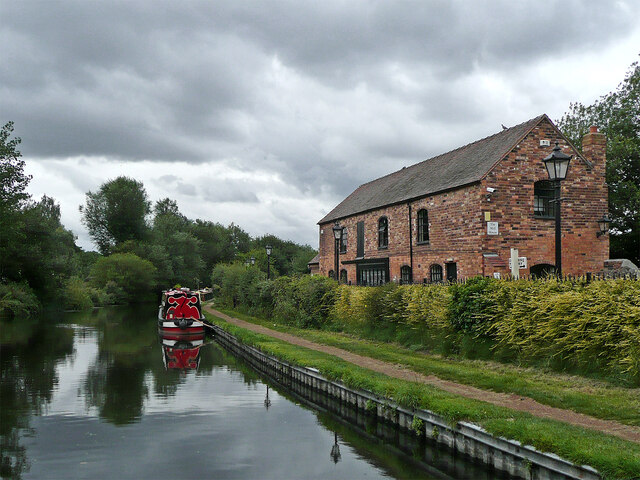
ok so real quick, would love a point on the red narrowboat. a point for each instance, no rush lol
(180, 313)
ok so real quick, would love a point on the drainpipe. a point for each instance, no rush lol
(410, 246)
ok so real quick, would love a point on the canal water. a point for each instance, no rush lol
(101, 395)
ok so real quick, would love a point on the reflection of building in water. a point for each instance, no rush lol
(181, 352)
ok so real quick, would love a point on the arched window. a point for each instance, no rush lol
(423, 226)
(435, 273)
(383, 232)
(343, 276)
(543, 194)
(405, 274)
(331, 274)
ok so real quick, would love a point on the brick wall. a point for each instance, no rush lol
(511, 205)
(458, 226)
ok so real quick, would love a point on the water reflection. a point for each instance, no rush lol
(28, 376)
(181, 352)
(99, 394)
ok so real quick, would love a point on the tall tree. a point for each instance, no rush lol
(13, 197)
(618, 116)
(116, 213)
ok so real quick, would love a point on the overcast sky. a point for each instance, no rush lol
(268, 114)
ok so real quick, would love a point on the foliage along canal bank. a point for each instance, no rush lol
(143, 249)
(571, 326)
(404, 403)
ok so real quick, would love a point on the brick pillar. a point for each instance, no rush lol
(594, 148)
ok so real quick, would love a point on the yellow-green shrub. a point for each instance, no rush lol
(592, 326)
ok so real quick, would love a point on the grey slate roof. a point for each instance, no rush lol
(315, 259)
(456, 168)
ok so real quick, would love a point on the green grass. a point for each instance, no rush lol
(599, 399)
(613, 457)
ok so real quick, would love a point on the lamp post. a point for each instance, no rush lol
(253, 260)
(603, 224)
(337, 234)
(557, 164)
(268, 248)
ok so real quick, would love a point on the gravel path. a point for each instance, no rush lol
(513, 401)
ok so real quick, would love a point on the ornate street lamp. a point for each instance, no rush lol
(268, 248)
(337, 234)
(603, 223)
(557, 164)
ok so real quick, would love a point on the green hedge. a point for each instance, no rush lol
(572, 326)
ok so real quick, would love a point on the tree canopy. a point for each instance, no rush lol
(617, 114)
(139, 252)
(116, 213)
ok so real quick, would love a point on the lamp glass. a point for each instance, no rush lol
(557, 164)
(337, 231)
(268, 248)
(603, 223)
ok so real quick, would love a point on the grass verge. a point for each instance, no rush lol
(613, 457)
(599, 399)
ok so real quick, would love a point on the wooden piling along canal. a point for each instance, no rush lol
(504, 455)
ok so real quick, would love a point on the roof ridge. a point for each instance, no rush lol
(503, 132)
(454, 168)
(538, 118)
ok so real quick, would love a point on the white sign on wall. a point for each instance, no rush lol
(496, 275)
(492, 228)
(522, 263)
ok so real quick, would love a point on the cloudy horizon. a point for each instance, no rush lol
(267, 114)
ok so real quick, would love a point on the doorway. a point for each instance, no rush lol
(452, 272)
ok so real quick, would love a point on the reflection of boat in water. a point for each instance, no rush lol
(181, 351)
(180, 313)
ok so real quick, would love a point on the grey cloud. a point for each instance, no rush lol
(195, 82)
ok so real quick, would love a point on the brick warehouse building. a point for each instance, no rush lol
(459, 214)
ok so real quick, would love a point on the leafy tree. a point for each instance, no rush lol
(13, 183)
(125, 273)
(116, 213)
(220, 244)
(48, 254)
(618, 116)
(167, 220)
(288, 257)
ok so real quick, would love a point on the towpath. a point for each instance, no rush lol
(513, 401)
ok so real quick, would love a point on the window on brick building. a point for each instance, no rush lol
(435, 273)
(405, 274)
(331, 274)
(360, 240)
(383, 232)
(543, 194)
(423, 226)
(343, 241)
(343, 276)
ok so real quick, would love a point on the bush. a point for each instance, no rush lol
(76, 295)
(18, 300)
(125, 277)
(469, 304)
(589, 328)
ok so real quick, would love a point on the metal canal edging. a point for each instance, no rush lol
(499, 453)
